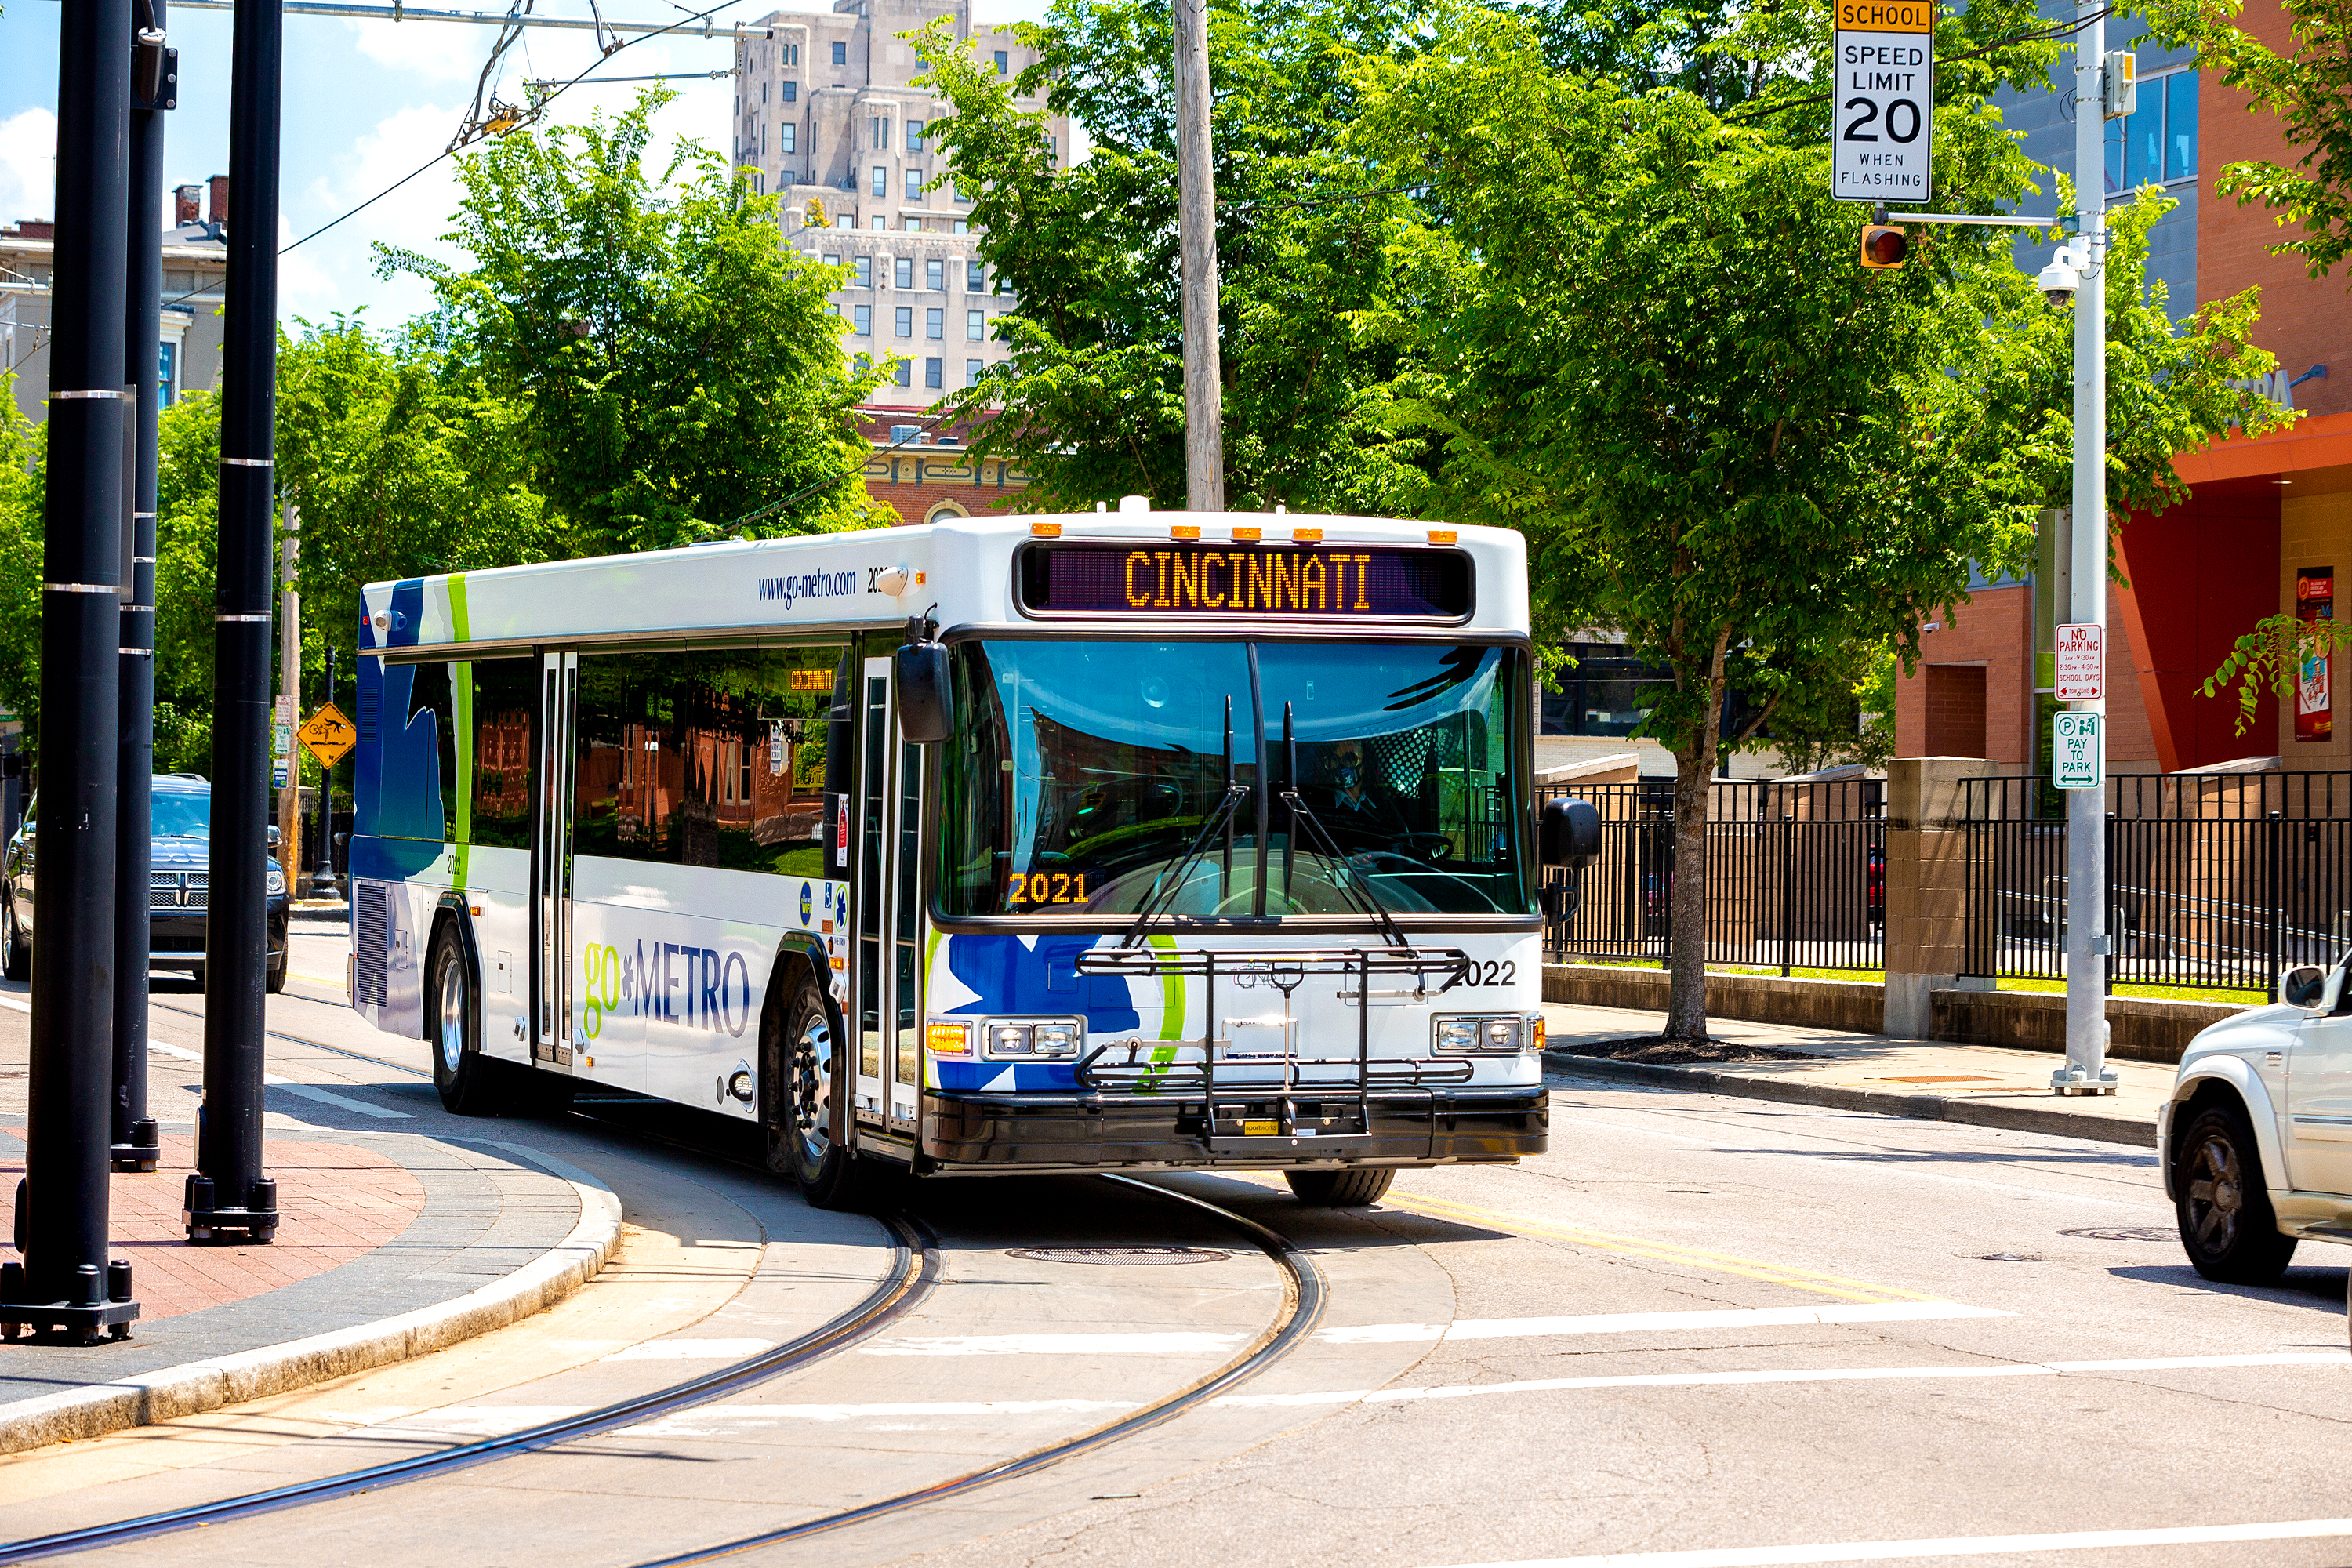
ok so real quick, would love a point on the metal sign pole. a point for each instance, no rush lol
(66, 1281)
(2086, 1072)
(228, 1193)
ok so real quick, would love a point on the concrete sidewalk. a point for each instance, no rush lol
(1983, 1085)
(395, 1243)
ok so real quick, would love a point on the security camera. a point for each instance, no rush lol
(2061, 278)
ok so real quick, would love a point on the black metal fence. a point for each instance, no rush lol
(2215, 882)
(1796, 875)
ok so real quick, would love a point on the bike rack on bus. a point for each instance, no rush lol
(1139, 1074)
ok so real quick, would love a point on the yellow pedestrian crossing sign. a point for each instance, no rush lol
(328, 735)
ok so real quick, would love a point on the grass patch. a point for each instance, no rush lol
(2228, 998)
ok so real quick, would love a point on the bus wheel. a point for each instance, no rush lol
(459, 1070)
(809, 1058)
(1340, 1189)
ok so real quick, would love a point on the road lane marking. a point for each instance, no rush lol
(1640, 1323)
(1139, 1343)
(692, 1350)
(14, 1006)
(1950, 1546)
(1665, 1252)
(308, 1090)
(718, 1421)
(1801, 1374)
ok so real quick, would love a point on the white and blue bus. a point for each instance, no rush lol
(1117, 841)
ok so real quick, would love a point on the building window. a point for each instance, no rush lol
(972, 368)
(840, 53)
(791, 57)
(914, 185)
(787, 140)
(975, 277)
(975, 325)
(906, 272)
(911, 225)
(832, 260)
(792, 92)
(2158, 144)
(902, 373)
(935, 324)
(935, 275)
(862, 319)
(763, 92)
(931, 368)
(863, 362)
(763, 140)
(881, 180)
(881, 129)
(1003, 60)
(914, 136)
(962, 225)
(845, 220)
(864, 268)
(879, 222)
(962, 195)
(905, 321)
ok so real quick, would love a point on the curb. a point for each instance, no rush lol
(1880, 1102)
(171, 1391)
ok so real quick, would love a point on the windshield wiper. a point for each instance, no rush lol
(1166, 889)
(1298, 811)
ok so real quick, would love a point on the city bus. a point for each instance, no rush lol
(1126, 840)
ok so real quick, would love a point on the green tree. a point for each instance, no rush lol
(1090, 402)
(675, 368)
(21, 512)
(2309, 89)
(1648, 346)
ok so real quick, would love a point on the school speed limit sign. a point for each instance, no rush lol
(1883, 113)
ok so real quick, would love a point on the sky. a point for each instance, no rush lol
(366, 103)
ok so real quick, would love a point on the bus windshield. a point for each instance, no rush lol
(1083, 773)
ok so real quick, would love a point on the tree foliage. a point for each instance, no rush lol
(2309, 89)
(21, 534)
(1091, 398)
(1640, 338)
(671, 366)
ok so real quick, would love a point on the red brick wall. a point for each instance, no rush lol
(1994, 631)
(1955, 709)
(2305, 321)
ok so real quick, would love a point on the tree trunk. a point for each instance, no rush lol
(1693, 763)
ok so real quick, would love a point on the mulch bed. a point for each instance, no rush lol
(1668, 1052)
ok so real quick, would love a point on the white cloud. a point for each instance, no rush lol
(432, 51)
(336, 270)
(28, 166)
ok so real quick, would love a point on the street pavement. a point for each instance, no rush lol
(1725, 1330)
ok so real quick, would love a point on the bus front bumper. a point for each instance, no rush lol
(1079, 1130)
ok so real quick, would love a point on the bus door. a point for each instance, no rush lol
(888, 913)
(556, 719)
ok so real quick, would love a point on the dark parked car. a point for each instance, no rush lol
(177, 885)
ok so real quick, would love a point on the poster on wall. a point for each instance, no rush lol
(2315, 600)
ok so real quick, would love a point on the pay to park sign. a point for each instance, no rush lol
(1885, 100)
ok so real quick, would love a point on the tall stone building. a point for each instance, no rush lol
(824, 113)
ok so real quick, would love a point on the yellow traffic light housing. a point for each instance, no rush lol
(1883, 246)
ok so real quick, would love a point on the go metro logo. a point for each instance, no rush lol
(667, 981)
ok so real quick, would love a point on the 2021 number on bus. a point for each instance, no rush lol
(1044, 888)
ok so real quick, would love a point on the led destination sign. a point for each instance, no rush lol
(1321, 582)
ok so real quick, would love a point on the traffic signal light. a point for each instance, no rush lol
(1883, 246)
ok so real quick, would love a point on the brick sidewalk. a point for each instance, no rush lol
(339, 1203)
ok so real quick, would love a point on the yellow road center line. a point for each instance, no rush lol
(1665, 1252)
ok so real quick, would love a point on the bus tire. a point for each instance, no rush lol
(466, 1080)
(1353, 1189)
(806, 1060)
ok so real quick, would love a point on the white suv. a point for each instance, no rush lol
(2256, 1140)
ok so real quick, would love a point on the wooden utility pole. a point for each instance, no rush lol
(1196, 224)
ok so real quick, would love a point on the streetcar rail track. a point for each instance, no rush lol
(1303, 1302)
(915, 1270)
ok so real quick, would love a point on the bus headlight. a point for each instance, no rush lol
(1028, 1040)
(1488, 1034)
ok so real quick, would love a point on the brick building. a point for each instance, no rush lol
(2265, 514)
(924, 475)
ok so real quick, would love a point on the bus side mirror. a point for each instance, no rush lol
(1570, 832)
(925, 711)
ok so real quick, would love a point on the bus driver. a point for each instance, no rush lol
(1359, 810)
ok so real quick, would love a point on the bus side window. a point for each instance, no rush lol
(504, 762)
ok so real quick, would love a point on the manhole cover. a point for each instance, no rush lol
(1120, 1254)
(2007, 1258)
(2125, 1233)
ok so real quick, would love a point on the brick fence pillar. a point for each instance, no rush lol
(1927, 885)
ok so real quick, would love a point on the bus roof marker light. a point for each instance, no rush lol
(1046, 530)
(1307, 536)
(1135, 503)
(1184, 530)
(1441, 536)
(1249, 533)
